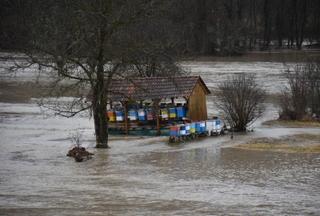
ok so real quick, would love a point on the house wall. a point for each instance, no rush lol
(197, 104)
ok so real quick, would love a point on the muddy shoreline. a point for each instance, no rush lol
(299, 143)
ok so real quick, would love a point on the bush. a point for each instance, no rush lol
(301, 98)
(241, 100)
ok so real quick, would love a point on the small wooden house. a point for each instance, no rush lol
(191, 89)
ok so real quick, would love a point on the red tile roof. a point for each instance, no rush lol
(154, 88)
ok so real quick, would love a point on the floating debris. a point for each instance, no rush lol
(79, 154)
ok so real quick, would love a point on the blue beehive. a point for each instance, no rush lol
(119, 116)
(142, 115)
(198, 128)
(183, 130)
(218, 123)
(188, 127)
(181, 112)
(202, 127)
(133, 115)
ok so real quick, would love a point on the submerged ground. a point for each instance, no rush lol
(146, 176)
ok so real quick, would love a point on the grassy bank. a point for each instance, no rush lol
(292, 124)
(300, 143)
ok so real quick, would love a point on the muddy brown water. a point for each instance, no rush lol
(156, 179)
(145, 175)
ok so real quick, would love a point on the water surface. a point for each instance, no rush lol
(146, 176)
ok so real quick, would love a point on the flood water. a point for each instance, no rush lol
(145, 175)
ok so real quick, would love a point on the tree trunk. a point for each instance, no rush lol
(279, 23)
(99, 112)
(302, 23)
(254, 13)
(157, 113)
(266, 16)
(100, 124)
(251, 24)
(202, 33)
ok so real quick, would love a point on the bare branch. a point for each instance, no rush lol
(240, 99)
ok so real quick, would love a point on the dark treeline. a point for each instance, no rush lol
(211, 27)
(233, 26)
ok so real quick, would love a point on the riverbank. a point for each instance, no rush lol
(298, 143)
(291, 124)
(277, 55)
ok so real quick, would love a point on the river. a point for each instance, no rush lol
(147, 176)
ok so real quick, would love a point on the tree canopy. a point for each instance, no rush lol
(220, 27)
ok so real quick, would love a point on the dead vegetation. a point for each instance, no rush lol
(292, 123)
(79, 154)
(300, 143)
(300, 100)
(241, 100)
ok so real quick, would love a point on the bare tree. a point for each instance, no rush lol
(241, 100)
(301, 98)
(293, 100)
(157, 44)
(85, 44)
(313, 71)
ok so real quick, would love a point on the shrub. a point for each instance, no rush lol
(241, 100)
(300, 99)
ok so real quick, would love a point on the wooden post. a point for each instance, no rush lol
(158, 123)
(157, 112)
(126, 123)
(111, 104)
(172, 100)
(187, 107)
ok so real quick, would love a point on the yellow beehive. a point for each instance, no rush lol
(164, 114)
(111, 116)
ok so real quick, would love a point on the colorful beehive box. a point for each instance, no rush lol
(111, 116)
(150, 114)
(174, 131)
(142, 115)
(119, 116)
(188, 128)
(198, 128)
(181, 112)
(172, 113)
(183, 131)
(202, 127)
(193, 128)
(133, 115)
(164, 114)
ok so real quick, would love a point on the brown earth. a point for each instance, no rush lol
(292, 124)
(299, 143)
(79, 154)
